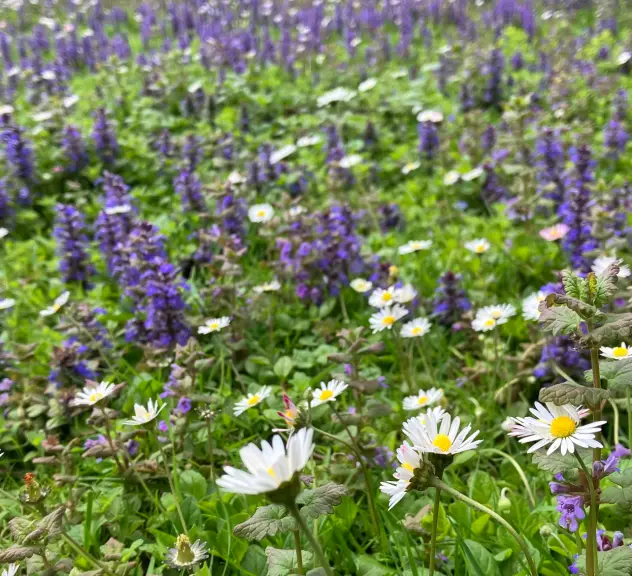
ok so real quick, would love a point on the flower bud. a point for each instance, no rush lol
(504, 504)
(546, 530)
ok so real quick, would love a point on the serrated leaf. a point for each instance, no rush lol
(556, 463)
(618, 329)
(571, 393)
(606, 285)
(559, 320)
(618, 373)
(283, 562)
(322, 500)
(574, 286)
(266, 521)
(621, 495)
(615, 562)
(20, 528)
(586, 311)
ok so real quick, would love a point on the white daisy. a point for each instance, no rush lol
(451, 178)
(7, 303)
(328, 392)
(409, 459)
(367, 85)
(437, 412)
(472, 174)
(235, 178)
(11, 570)
(282, 153)
(306, 141)
(214, 325)
(618, 353)
(410, 167)
(252, 400)
(404, 294)
(478, 246)
(484, 323)
(361, 285)
(185, 554)
(557, 426)
(624, 58)
(423, 398)
(556, 232)
(90, 395)
(414, 246)
(440, 436)
(122, 209)
(3, 232)
(144, 415)
(335, 95)
(267, 287)
(498, 312)
(508, 424)
(260, 213)
(350, 161)
(381, 298)
(386, 317)
(430, 116)
(530, 310)
(269, 466)
(415, 328)
(602, 263)
(60, 301)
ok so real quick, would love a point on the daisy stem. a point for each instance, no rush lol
(629, 407)
(299, 552)
(209, 429)
(108, 433)
(424, 358)
(615, 427)
(343, 308)
(434, 481)
(518, 468)
(173, 489)
(77, 548)
(496, 358)
(433, 537)
(591, 536)
(293, 510)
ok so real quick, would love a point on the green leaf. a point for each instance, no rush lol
(322, 500)
(503, 555)
(193, 483)
(556, 463)
(481, 486)
(621, 495)
(574, 286)
(560, 320)
(368, 566)
(617, 329)
(283, 367)
(606, 285)
(479, 525)
(576, 394)
(266, 521)
(586, 311)
(480, 559)
(283, 562)
(618, 373)
(615, 562)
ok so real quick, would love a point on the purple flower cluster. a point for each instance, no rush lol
(19, 153)
(74, 150)
(550, 164)
(450, 300)
(6, 208)
(104, 137)
(560, 351)
(72, 245)
(428, 139)
(615, 138)
(189, 188)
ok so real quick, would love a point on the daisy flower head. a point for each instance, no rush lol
(59, 302)
(328, 392)
(282, 153)
(144, 415)
(252, 400)
(7, 303)
(386, 317)
(437, 412)
(414, 246)
(184, 554)
(433, 116)
(11, 570)
(350, 161)
(557, 426)
(618, 353)
(121, 209)
(602, 263)
(478, 246)
(554, 233)
(91, 395)
(267, 287)
(410, 167)
(214, 325)
(3, 232)
(269, 466)
(260, 213)
(451, 178)
(499, 312)
(473, 174)
(367, 85)
(361, 285)
(423, 399)
(530, 306)
(381, 298)
(440, 436)
(291, 412)
(404, 294)
(416, 328)
(312, 140)
(409, 459)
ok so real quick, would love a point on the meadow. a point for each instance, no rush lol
(315, 288)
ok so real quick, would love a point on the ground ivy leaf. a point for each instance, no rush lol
(574, 286)
(266, 521)
(283, 562)
(581, 308)
(559, 320)
(322, 500)
(615, 562)
(615, 331)
(618, 373)
(621, 495)
(606, 285)
(571, 393)
(556, 463)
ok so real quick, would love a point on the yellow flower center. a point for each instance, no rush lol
(480, 248)
(261, 213)
(254, 400)
(490, 322)
(271, 472)
(563, 427)
(496, 314)
(442, 442)
(620, 352)
(288, 414)
(388, 320)
(326, 395)
(93, 397)
(416, 331)
(393, 270)
(144, 414)
(185, 554)
(387, 297)
(408, 467)
(422, 400)
(214, 325)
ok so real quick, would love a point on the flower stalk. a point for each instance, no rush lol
(292, 508)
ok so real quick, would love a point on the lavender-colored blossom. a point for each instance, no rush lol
(428, 139)
(450, 300)
(19, 153)
(189, 188)
(72, 244)
(74, 150)
(104, 137)
(184, 405)
(550, 163)
(621, 451)
(560, 351)
(492, 190)
(572, 511)
(615, 138)
(6, 210)
(192, 151)
(390, 217)
(494, 73)
(488, 139)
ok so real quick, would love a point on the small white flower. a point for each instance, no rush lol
(451, 178)
(472, 174)
(484, 324)
(530, 304)
(440, 436)
(437, 412)
(624, 58)
(184, 554)
(3, 232)
(361, 285)
(350, 161)
(508, 424)
(91, 395)
(416, 328)
(557, 426)
(409, 459)
(554, 233)
(489, 317)
(267, 287)
(11, 570)
(414, 246)
(335, 95)
(386, 317)
(328, 392)
(269, 466)
(282, 153)
(401, 73)
(57, 304)
(6, 110)
(618, 353)
(430, 116)
(306, 141)
(252, 400)
(602, 263)
(7, 303)
(410, 167)
(404, 294)
(367, 85)
(260, 213)
(235, 178)
(144, 415)
(380, 298)
(122, 209)
(478, 246)
(42, 116)
(70, 101)
(214, 325)
(423, 399)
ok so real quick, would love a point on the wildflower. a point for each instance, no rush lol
(7, 303)
(530, 304)
(91, 395)
(282, 153)
(267, 287)
(252, 400)
(479, 246)
(410, 167)
(72, 245)
(350, 161)
(414, 246)
(422, 399)
(269, 466)
(451, 178)
(473, 174)
(260, 213)
(404, 294)
(499, 312)
(3, 232)
(74, 150)
(450, 300)
(601, 264)
(386, 317)
(291, 412)
(554, 233)
(409, 459)
(306, 141)
(59, 302)
(415, 328)
(382, 298)
(618, 353)
(144, 415)
(186, 555)
(572, 509)
(367, 85)
(440, 436)
(328, 392)
(214, 325)
(11, 570)
(335, 95)
(104, 137)
(430, 116)
(361, 285)
(189, 188)
(557, 426)
(428, 139)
